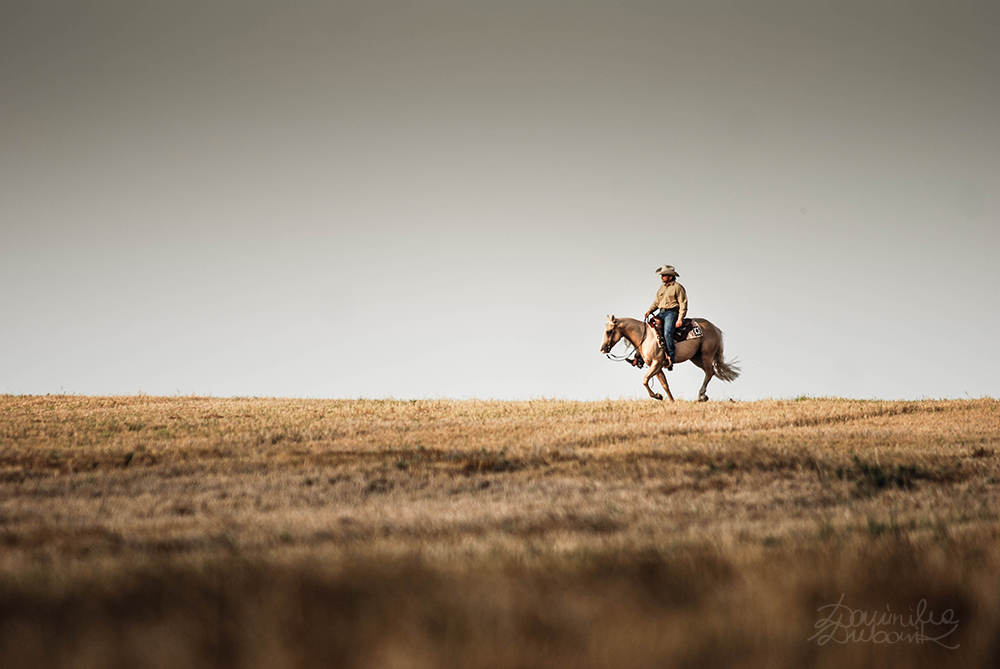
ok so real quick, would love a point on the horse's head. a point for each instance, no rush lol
(611, 335)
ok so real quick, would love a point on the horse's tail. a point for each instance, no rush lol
(727, 371)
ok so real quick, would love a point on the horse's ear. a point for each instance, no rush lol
(612, 318)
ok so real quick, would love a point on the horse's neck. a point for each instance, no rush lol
(634, 331)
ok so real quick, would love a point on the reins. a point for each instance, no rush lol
(628, 351)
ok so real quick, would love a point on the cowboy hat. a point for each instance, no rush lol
(667, 269)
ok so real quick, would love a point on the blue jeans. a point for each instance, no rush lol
(669, 318)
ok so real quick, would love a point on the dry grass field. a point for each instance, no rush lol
(199, 532)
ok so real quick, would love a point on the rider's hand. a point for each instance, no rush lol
(680, 322)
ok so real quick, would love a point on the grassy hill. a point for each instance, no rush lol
(203, 532)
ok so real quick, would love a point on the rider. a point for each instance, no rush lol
(670, 306)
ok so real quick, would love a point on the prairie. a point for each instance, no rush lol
(203, 532)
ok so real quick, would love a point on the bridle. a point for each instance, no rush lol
(631, 349)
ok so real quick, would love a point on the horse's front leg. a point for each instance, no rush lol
(663, 382)
(655, 367)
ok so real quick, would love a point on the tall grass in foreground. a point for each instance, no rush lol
(143, 531)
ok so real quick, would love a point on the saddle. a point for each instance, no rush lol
(689, 329)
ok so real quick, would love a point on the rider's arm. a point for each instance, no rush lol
(682, 302)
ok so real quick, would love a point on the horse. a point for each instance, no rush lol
(704, 351)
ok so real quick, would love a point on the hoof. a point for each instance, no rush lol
(703, 398)
(658, 396)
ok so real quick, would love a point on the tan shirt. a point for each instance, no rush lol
(671, 296)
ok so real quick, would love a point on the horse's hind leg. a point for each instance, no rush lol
(705, 362)
(702, 397)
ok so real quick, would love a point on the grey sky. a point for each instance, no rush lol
(445, 199)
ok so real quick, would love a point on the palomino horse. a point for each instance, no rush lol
(704, 351)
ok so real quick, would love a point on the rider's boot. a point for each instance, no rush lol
(666, 356)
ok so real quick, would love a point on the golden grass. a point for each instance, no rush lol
(148, 531)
